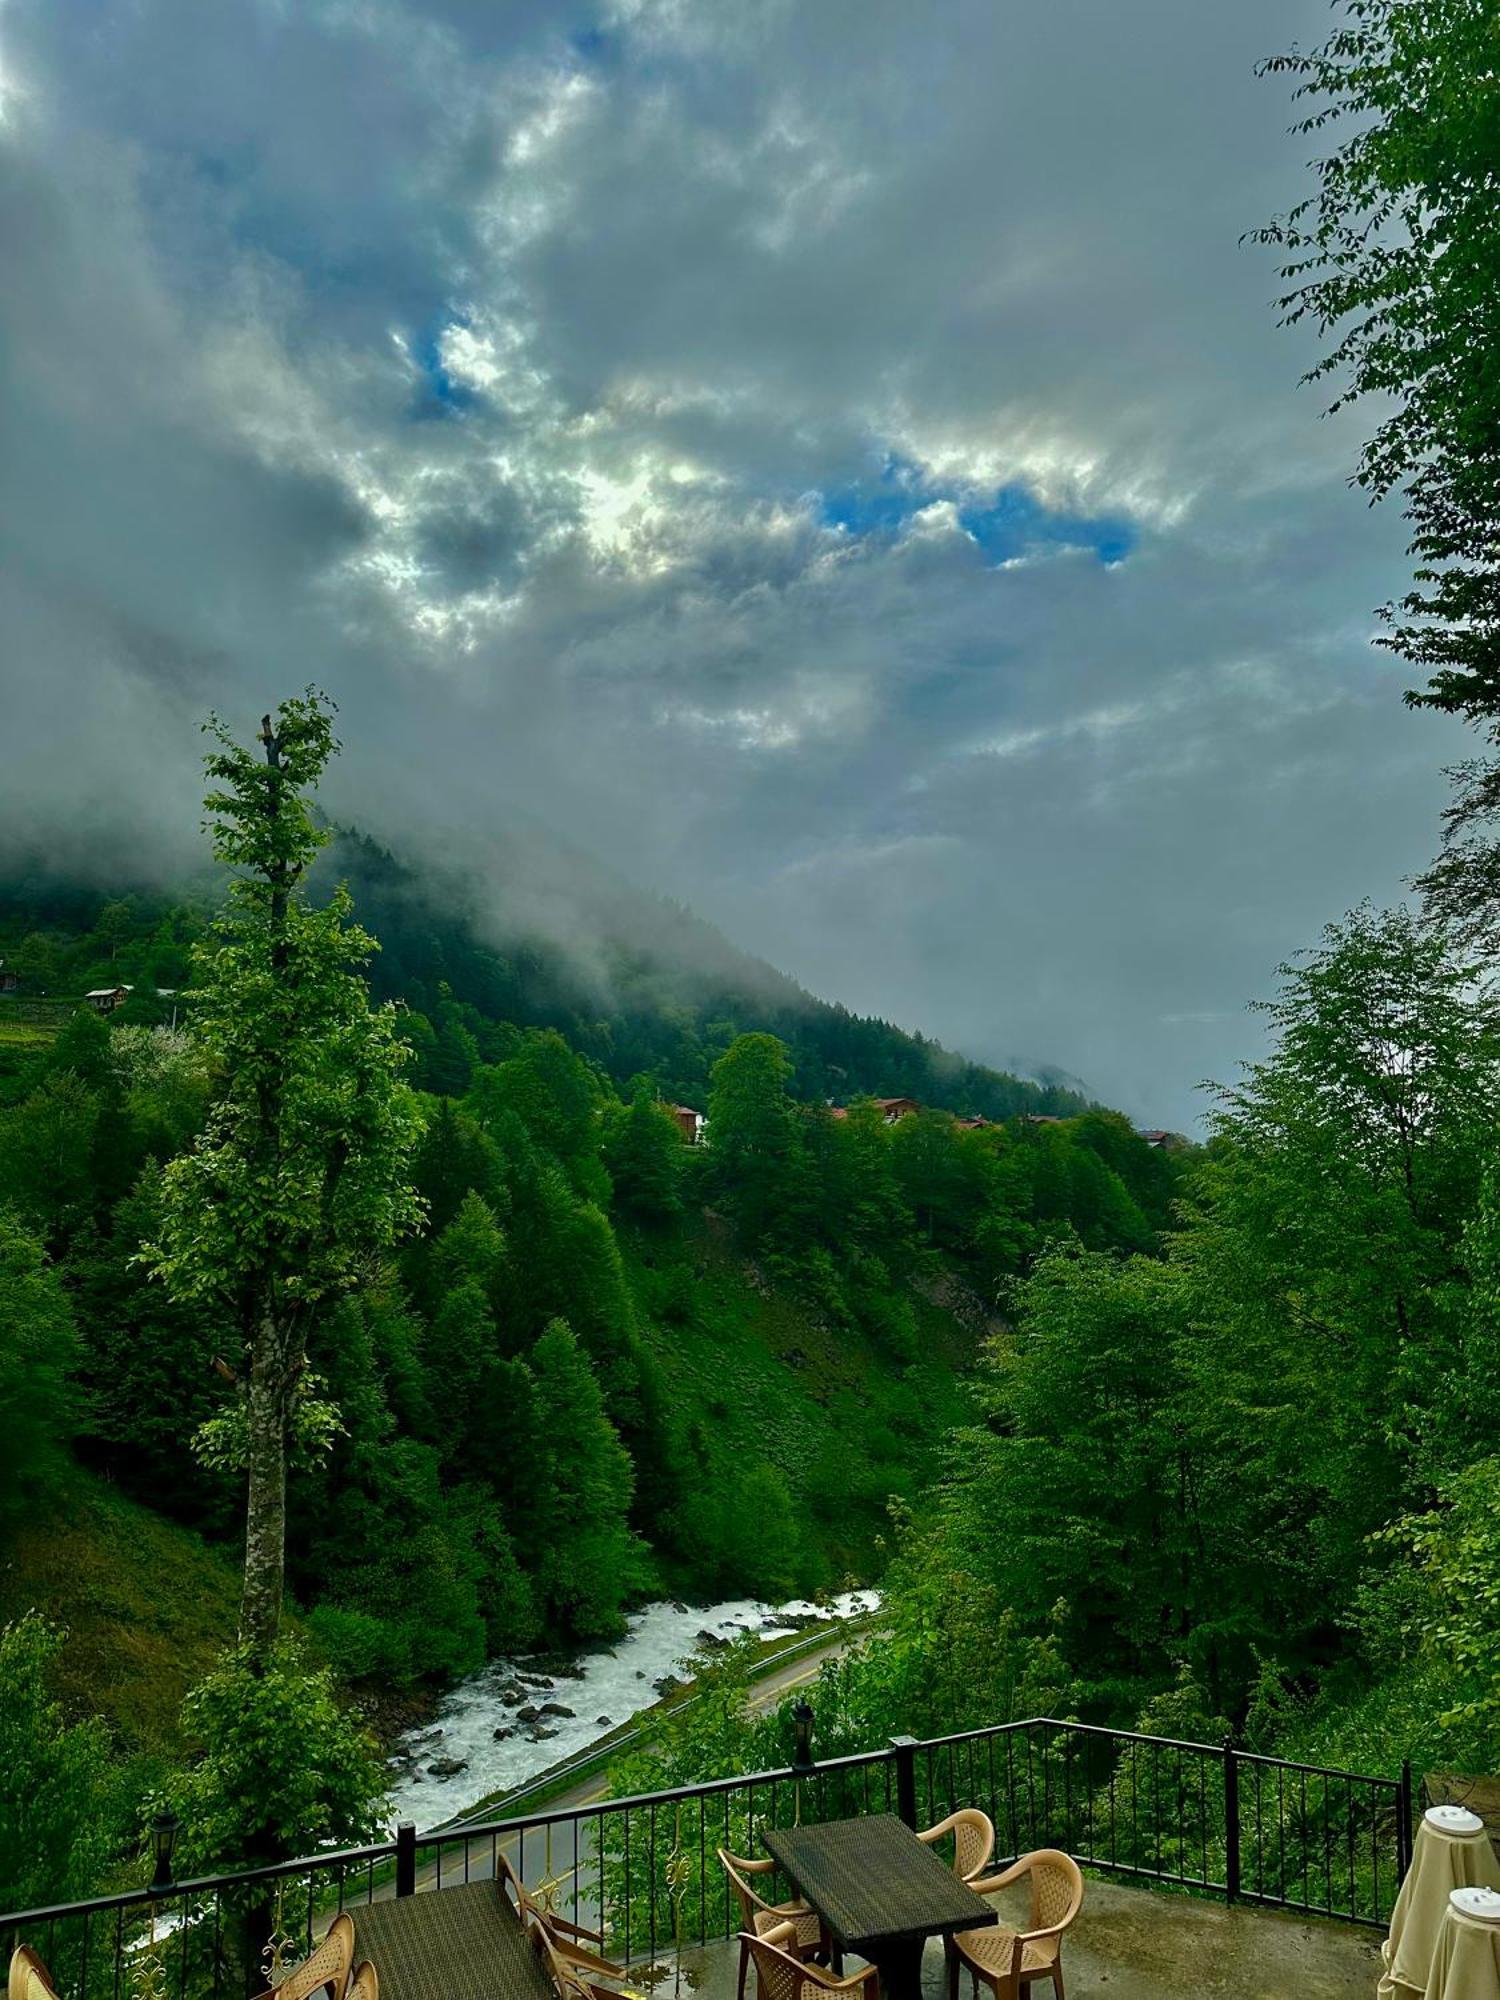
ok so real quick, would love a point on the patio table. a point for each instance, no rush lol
(880, 1890)
(449, 1944)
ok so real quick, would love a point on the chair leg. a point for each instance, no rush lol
(744, 1967)
(1057, 1985)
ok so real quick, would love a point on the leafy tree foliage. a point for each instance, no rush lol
(61, 1813)
(38, 1358)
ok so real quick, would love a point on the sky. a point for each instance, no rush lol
(837, 462)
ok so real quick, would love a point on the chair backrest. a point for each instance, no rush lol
(973, 1839)
(1056, 1889)
(736, 1868)
(328, 1966)
(29, 1978)
(365, 1985)
(779, 1975)
(567, 1982)
(515, 1890)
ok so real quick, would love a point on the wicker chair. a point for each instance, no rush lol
(365, 1984)
(781, 1975)
(758, 1918)
(1010, 1961)
(574, 1974)
(330, 1965)
(29, 1978)
(973, 1840)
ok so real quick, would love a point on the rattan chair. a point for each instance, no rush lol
(781, 1975)
(29, 1978)
(973, 1840)
(365, 1984)
(575, 1974)
(759, 1918)
(1009, 1961)
(330, 1965)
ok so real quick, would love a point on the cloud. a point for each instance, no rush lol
(838, 462)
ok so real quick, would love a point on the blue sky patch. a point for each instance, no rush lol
(1010, 524)
(438, 394)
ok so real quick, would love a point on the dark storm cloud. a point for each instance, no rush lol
(699, 427)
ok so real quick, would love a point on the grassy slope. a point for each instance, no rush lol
(769, 1381)
(145, 1605)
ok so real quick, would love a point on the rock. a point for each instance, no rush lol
(536, 1681)
(639, 1675)
(501, 1735)
(710, 1642)
(604, 1722)
(556, 1708)
(539, 1734)
(678, 1605)
(530, 1713)
(668, 1684)
(512, 1693)
(447, 1767)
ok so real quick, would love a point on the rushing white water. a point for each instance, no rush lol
(476, 1728)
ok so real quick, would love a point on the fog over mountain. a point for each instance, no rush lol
(837, 464)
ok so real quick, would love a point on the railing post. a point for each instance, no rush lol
(905, 1748)
(1403, 1822)
(406, 1860)
(1231, 1821)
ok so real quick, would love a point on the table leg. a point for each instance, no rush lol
(899, 1964)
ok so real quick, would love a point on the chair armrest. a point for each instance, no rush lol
(780, 1935)
(986, 1885)
(570, 1929)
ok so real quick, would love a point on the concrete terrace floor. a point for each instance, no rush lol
(1144, 1944)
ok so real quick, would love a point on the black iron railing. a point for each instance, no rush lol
(1205, 1817)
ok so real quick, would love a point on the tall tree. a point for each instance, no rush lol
(1395, 258)
(299, 1177)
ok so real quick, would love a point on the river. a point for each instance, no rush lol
(478, 1743)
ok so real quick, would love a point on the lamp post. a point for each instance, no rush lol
(164, 1827)
(802, 1719)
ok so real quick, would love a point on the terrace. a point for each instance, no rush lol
(1208, 1870)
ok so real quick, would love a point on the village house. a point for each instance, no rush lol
(105, 999)
(689, 1122)
(9, 980)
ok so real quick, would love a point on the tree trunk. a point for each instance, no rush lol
(265, 1506)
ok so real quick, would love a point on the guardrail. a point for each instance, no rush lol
(1209, 1818)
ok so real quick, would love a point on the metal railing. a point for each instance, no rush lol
(643, 1870)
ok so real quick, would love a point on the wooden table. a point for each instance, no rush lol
(449, 1944)
(880, 1890)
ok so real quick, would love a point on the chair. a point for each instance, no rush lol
(328, 1966)
(365, 1985)
(973, 1840)
(568, 1969)
(759, 1918)
(573, 1941)
(1010, 1961)
(29, 1978)
(781, 1975)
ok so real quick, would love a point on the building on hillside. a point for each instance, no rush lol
(1042, 1118)
(893, 1108)
(690, 1123)
(105, 999)
(1165, 1142)
(971, 1124)
(9, 980)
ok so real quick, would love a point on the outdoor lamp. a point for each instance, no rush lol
(164, 1827)
(802, 1717)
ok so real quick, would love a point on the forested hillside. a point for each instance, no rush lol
(606, 1365)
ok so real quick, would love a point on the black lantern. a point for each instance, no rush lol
(164, 1827)
(802, 1717)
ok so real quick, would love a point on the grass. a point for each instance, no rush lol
(145, 1606)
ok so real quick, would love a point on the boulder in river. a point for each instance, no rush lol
(537, 1734)
(530, 1713)
(447, 1767)
(501, 1735)
(604, 1722)
(668, 1684)
(511, 1694)
(556, 1708)
(710, 1642)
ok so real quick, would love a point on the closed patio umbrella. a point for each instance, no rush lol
(1452, 1851)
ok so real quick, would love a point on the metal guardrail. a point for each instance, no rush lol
(1205, 1817)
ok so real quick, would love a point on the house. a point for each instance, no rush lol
(1042, 1118)
(971, 1124)
(1165, 1142)
(105, 999)
(9, 980)
(894, 1108)
(690, 1123)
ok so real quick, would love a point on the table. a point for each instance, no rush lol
(449, 1944)
(1466, 1964)
(1440, 1862)
(880, 1891)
